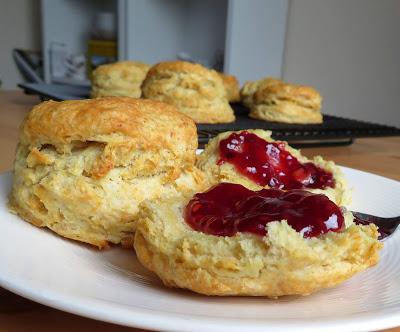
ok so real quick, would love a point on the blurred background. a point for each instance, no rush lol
(348, 50)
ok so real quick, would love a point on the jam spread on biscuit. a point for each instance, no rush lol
(228, 208)
(268, 163)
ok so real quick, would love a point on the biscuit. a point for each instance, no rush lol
(226, 172)
(82, 168)
(287, 103)
(231, 85)
(195, 90)
(119, 79)
(280, 263)
(250, 87)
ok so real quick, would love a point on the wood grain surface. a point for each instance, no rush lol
(376, 155)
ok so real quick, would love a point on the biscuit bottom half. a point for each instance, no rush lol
(280, 263)
(62, 195)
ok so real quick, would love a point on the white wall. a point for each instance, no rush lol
(19, 28)
(158, 30)
(70, 22)
(255, 38)
(205, 27)
(152, 38)
(350, 51)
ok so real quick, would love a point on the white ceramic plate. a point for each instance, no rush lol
(112, 286)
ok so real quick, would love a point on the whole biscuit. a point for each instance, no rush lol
(122, 78)
(195, 90)
(83, 167)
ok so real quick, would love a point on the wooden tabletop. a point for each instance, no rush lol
(376, 155)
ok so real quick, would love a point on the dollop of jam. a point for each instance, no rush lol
(268, 163)
(228, 208)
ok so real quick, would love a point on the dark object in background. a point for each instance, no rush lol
(56, 91)
(333, 131)
(29, 64)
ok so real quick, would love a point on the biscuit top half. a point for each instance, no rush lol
(134, 124)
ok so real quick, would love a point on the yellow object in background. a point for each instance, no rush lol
(100, 52)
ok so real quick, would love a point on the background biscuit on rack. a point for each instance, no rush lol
(231, 85)
(119, 79)
(195, 90)
(288, 103)
(250, 87)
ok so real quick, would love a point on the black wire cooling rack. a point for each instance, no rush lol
(333, 131)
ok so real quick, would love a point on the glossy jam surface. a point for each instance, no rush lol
(268, 163)
(228, 208)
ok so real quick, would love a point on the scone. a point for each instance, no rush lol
(122, 78)
(252, 158)
(250, 87)
(82, 168)
(195, 90)
(231, 85)
(219, 243)
(287, 103)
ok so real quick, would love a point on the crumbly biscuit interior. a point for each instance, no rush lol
(92, 191)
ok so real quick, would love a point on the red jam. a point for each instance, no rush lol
(228, 208)
(268, 163)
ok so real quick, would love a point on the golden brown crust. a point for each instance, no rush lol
(281, 263)
(195, 90)
(181, 67)
(117, 121)
(120, 66)
(122, 78)
(231, 85)
(83, 168)
(226, 172)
